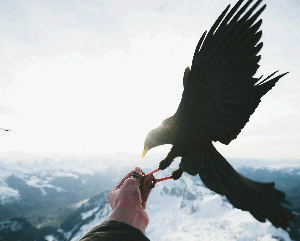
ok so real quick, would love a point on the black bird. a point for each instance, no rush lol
(220, 93)
(4, 129)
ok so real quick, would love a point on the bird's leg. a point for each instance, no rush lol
(162, 165)
(168, 160)
(177, 173)
(165, 163)
(150, 173)
(144, 179)
(149, 177)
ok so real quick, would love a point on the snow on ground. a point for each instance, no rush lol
(267, 237)
(89, 213)
(11, 225)
(8, 194)
(207, 216)
(65, 174)
(78, 205)
(50, 238)
(34, 181)
(100, 217)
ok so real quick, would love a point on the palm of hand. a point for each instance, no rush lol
(128, 202)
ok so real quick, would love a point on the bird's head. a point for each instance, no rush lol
(160, 135)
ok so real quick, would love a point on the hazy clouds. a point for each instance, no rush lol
(95, 76)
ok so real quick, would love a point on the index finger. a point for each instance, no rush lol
(123, 180)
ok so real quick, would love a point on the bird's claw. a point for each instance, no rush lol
(148, 178)
(144, 179)
(177, 174)
(165, 163)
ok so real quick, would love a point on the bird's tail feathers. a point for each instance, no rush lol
(262, 200)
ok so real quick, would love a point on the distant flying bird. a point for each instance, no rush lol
(4, 129)
(220, 93)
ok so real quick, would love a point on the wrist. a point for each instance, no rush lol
(131, 217)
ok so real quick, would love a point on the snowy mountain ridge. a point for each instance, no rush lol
(41, 173)
(181, 210)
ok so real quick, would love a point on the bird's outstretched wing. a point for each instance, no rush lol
(220, 84)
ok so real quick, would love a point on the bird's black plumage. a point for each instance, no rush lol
(219, 96)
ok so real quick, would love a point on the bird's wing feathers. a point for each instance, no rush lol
(223, 65)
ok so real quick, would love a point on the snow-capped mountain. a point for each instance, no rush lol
(42, 192)
(178, 210)
(181, 210)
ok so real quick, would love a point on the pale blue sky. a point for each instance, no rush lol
(88, 77)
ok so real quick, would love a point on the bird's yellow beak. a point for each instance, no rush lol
(145, 151)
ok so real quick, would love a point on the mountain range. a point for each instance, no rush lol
(62, 200)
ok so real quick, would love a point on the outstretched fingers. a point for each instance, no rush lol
(113, 194)
(126, 177)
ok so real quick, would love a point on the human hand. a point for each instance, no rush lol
(128, 202)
